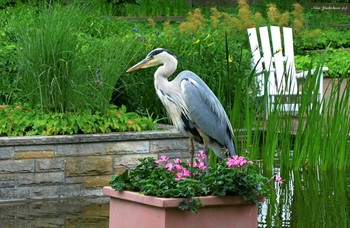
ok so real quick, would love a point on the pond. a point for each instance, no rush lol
(77, 212)
(306, 199)
(309, 199)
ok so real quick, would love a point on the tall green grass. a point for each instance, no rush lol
(318, 137)
(68, 61)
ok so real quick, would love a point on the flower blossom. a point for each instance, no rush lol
(201, 154)
(200, 165)
(182, 174)
(236, 161)
(162, 158)
(177, 161)
(278, 179)
(169, 166)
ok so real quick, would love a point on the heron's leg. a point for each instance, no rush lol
(191, 155)
(206, 160)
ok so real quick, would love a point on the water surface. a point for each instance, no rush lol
(306, 199)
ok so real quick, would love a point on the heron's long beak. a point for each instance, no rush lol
(139, 65)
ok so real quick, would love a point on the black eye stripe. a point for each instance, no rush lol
(158, 51)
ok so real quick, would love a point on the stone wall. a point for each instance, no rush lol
(42, 167)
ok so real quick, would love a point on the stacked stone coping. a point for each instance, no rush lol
(46, 167)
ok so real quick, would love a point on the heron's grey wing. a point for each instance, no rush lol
(205, 110)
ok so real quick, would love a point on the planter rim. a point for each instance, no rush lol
(172, 202)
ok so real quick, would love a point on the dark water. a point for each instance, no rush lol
(78, 212)
(309, 199)
(306, 199)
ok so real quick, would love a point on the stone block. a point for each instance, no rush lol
(128, 147)
(89, 166)
(14, 193)
(7, 180)
(80, 149)
(34, 154)
(56, 191)
(74, 180)
(34, 147)
(119, 170)
(97, 181)
(40, 178)
(168, 145)
(91, 214)
(16, 166)
(54, 164)
(7, 152)
(130, 160)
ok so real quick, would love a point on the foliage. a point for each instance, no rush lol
(321, 39)
(90, 62)
(145, 8)
(8, 61)
(162, 178)
(23, 120)
(336, 61)
(317, 138)
(63, 64)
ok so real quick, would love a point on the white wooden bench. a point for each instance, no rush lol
(273, 61)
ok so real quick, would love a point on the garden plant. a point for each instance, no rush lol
(62, 71)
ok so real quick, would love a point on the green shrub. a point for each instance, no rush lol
(23, 120)
(337, 61)
(8, 60)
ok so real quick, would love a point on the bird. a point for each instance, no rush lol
(191, 105)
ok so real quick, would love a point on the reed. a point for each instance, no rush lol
(318, 137)
(312, 198)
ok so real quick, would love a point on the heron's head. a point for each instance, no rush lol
(156, 57)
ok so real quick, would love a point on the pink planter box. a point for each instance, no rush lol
(133, 210)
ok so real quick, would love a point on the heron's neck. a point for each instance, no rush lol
(166, 70)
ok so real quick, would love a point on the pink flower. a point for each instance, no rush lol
(179, 176)
(201, 154)
(169, 166)
(162, 158)
(178, 168)
(186, 173)
(177, 161)
(236, 161)
(200, 165)
(182, 174)
(278, 179)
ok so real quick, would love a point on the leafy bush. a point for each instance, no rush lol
(8, 61)
(162, 178)
(321, 39)
(337, 61)
(23, 120)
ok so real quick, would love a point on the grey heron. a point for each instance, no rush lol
(190, 104)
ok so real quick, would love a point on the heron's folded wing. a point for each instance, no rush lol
(204, 108)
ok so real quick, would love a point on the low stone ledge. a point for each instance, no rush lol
(46, 167)
(89, 138)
